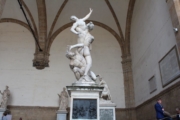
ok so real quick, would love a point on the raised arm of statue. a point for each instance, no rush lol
(88, 15)
(73, 28)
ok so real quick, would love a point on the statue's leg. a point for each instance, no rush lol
(88, 58)
(76, 45)
(77, 73)
(92, 74)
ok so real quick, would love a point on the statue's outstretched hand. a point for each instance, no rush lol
(91, 10)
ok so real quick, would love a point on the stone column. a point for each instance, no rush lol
(40, 57)
(128, 88)
(128, 82)
(174, 9)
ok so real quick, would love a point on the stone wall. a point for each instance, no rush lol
(126, 114)
(152, 37)
(33, 113)
(170, 100)
(49, 113)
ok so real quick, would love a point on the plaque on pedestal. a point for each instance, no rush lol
(107, 110)
(84, 109)
(107, 113)
(84, 102)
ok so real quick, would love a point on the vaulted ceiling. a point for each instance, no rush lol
(49, 17)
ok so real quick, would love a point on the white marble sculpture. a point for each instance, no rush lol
(106, 92)
(63, 100)
(83, 48)
(78, 64)
(5, 96)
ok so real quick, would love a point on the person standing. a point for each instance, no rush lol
(4, 116)
(178, 114)
(161, 114)
(159, 109)
(8, 116)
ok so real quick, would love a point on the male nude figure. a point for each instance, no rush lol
(78, 65)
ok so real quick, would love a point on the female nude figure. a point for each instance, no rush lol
(85, 39)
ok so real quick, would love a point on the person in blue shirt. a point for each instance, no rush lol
(178, 114)
(159, 109)
(160, 113)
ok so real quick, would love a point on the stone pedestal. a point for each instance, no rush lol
(61, 115)
(84, 102)
(107, 110)
(2, 110)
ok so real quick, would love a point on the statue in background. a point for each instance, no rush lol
(84, 42)
(5, 97)
(63, 100)
(106, 92)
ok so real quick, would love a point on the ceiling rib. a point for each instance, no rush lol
(57, 16)
(115, 18)
(128, 25)
(31, 17)
(42, 22)
(15, 21)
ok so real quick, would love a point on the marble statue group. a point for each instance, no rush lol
(87, 96)
(80, 59)
(80, 54)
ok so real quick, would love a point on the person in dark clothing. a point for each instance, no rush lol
(4, 116)
(178, 114)
(159, 110)
(160, 113)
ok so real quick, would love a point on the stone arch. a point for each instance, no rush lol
(15, 21)
(118, 38)
(3, 20)
(128, 26)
